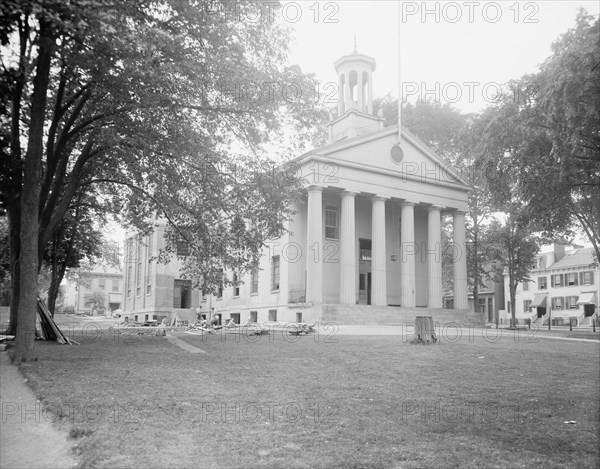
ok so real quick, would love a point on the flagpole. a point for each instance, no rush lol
(399, 77)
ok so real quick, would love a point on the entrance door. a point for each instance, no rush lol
(364, 271)
(364, 283)
(588, 310)
(540, 311)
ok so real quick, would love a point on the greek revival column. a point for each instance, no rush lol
(348, 250)
(378, 261)
(460, 262)
(407, 237)
(434, 257)
(314, 251)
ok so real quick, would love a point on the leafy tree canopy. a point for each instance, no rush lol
(163, 107)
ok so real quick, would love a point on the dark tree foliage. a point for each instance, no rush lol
(164, 107)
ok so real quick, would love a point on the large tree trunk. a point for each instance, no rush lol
(30, 200)
(513, 302)
(14, 205)
(58, 273)
(14, 229)
(53, 289)
(475, 267)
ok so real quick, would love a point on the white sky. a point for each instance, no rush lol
(438, 48)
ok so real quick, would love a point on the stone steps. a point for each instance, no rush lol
(374, 315)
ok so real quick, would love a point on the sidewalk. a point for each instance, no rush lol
(27, 438)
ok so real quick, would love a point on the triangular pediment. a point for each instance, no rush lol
(373, 152)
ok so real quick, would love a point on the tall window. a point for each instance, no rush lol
(482, 302)
(526, 305)
(587, 278)
(557, 302)
(525, 285)
(183, 248)
(129, 274)
(254, 281)
(331, 223)
(149, 278)
(149, 266)
(220, 287)
(101, 283)
(236, 285)
(364, 247)
(557, 280)
(275, 273)
(272, 315)
(571, 279)
(138, 279)
(116, 284)
(571, 302)
(542, 283)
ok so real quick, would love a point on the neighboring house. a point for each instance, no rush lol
(152, 289)
(95, 291)
(491, 298)
(365, 243)
(564, 286)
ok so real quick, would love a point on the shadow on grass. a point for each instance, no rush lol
(358, 402)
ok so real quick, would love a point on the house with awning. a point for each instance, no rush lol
(563, 287)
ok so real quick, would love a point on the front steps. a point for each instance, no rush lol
(392, 315)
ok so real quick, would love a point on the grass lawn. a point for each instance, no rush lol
(363, 402)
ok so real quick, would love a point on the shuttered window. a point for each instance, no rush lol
(557, 280)
(587, 278)
(542, 283)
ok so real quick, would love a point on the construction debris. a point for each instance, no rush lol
(48, 329)
(250, 328)
(176, 321)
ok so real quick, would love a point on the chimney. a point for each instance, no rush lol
(559, 251)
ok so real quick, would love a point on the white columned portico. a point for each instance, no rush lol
(461, 300)
(348, 250)
(408, 249)
(434, 257)
(314, 261)
(378, 250)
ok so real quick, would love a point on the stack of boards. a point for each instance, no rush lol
(48, 329)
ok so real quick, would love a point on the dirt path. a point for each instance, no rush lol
(27, 438)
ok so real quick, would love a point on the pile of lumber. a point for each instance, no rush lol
(249, 328)
(293, 328)
(48, 329)
(206, 327)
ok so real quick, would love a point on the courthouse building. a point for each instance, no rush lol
(365, 243)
